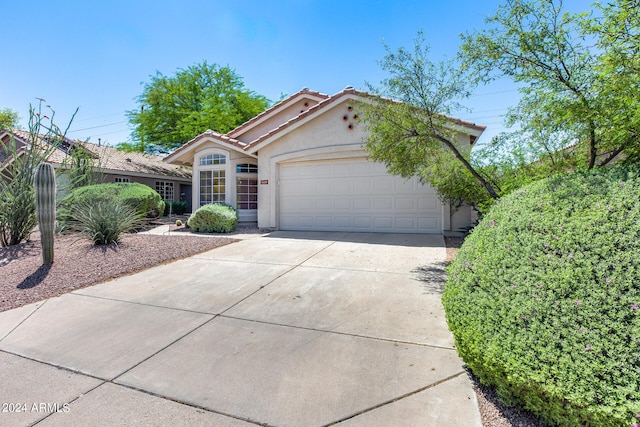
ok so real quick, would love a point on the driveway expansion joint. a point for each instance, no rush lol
(24, 320)
(389, 340)
(404, 396)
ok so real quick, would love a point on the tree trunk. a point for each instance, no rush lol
(467, 165)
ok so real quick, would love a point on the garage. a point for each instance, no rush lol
(354, 195)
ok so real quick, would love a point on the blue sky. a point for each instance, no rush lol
(96, 55)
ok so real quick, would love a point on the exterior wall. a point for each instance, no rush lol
(462, 218)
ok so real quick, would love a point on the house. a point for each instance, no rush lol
(173, 182)
(300, 165)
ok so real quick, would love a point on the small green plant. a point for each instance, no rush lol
(543, 298)
(178, 222)
(105, 222)
(44, 183)
(214, 218)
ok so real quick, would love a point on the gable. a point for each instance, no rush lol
(277, 115)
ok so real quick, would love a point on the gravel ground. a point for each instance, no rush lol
(78, 264)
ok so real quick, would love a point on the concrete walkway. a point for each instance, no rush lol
(289, 329)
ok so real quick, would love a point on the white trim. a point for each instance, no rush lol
(195, 195)
(170, 158)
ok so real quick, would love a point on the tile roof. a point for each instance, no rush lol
(279, 105)
(325, 100)
(113, 160)
(226, 139)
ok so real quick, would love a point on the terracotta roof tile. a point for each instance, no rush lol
(112, 159)
(226, 139)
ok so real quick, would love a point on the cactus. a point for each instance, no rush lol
(44, 183)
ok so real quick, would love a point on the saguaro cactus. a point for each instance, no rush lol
(44, 183)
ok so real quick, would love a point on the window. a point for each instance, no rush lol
(211, 171)
(165, 189)
(213, 159)
(247, 168)
(212, 186)
(247, 193)
(120, 179)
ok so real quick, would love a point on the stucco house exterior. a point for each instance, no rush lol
(300, 165)
(173, 182)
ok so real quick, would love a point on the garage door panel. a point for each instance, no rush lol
(362, 204)
(383, 204)
(406, 203)
(354, 195)
(383, 223)
(428, 203)
(343, 221)
(405, 223)
(342, 204)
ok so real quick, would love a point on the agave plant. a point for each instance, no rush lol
(105, 222)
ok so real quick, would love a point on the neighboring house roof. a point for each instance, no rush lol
(318, 103)
(110, 159)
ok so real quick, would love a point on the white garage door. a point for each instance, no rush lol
(354, 195)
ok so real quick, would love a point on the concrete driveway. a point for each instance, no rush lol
(289, 329)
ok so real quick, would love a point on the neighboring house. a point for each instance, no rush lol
(300, 165)
(173, 182)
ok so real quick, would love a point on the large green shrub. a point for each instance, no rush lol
(145, 200)
(543, 299)
(214, 218)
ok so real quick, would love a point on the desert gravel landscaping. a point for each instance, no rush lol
(78, 263)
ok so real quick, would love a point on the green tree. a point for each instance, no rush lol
(175, 109)
(579, 80)
(413, 135)
(618, 36)
(8, 119)
(571, 93)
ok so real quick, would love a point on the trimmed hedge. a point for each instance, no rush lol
(214, 218)
(543, 299)
(177, 207)
(145, 200)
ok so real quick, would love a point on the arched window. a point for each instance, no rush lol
(212, 172)
(213, 159)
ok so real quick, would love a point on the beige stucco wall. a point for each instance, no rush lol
(281, 116)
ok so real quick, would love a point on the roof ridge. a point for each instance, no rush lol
(303, 91)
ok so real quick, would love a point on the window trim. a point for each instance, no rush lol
(164, 185)
(197, 168)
